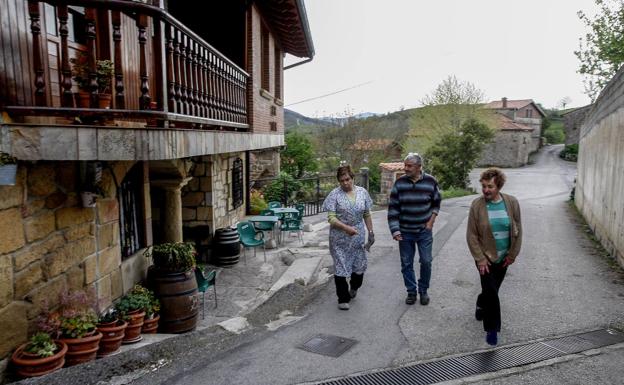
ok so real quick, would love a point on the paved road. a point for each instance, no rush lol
(559, 285)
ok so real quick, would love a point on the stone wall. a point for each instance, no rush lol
(264, 164)
(509, 148)
(197, 210)
(224, 214)
(48, 243)
(572, 123)
(600, 179)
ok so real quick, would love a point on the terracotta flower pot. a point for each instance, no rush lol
(112, 335)
(104, 100)
(81, 350)
(150, 325)
(133, 330)
(31, 365)
(83, 99)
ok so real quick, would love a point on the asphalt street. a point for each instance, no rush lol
(560, 284)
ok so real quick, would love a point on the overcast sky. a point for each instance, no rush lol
(400, 50)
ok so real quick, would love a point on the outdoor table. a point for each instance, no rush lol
(272, 219)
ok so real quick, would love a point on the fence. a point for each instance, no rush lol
(309, 191)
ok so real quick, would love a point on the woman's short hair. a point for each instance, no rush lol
(497, 174)
(344, 170)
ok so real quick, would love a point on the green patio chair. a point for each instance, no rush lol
(275, 204)
(206, 279)
(248, 234)
(301, 208)
(291, 225)
(263, 226)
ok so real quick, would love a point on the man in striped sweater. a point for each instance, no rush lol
(412, 209)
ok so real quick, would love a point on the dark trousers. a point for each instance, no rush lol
(342, 287)
(488, 299)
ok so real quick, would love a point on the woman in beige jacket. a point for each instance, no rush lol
(494, 237)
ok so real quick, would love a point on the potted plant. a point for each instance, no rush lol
(152, 307)
(8, 169)
(80, 74)
(113, 330)
(173, 280)
(74, 324)
(40, 355)
(105, 72)
(130, 308)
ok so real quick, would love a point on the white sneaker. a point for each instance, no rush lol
(343, 306)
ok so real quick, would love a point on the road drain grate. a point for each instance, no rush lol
(328, 345)
(491, 361)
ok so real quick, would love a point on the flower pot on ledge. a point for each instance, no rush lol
(83, 99)
(112, 335)
(32, 365)
(83, 349)
(133, 330)
(104, 100)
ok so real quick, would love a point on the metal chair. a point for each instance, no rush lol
(301, 208)
(205, 279)
(247, 234)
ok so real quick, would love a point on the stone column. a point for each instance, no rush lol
(171, 213)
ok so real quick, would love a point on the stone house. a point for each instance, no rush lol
(196, 99)
(525, 112)
(573, 121)
(511, 144)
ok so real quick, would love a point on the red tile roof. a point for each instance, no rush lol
(371, 144)
(504, 123)
(511, 104)
(394, 166)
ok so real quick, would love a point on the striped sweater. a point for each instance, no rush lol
(412, 203)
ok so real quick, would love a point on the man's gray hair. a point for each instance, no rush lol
(414, 157)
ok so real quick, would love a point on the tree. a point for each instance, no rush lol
(564, 102)
(454, 154)
(601, 51)
(445, 110)
(298, 156)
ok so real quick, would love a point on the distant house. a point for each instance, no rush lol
(511, 145)
(525, 112)
(390, 148)
(572, 122)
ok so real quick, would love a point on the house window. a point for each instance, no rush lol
(77, 25)
(131, 213)
(529, 113)
(237, 183)
(273, 126)
(264, 48)
(278, 74)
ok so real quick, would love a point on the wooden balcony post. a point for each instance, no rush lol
(197, 83)
(171, 90)
(35, 28)
(189, 75)
(120, 98)
(204, 81)
(183, 76)
(177, 71)
(160, 70)
(211, 85)
(91, 55)
(144, 99)
(67, 98)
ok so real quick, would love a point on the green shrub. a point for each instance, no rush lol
(173, 256)
(275, 190)
(257, 202)
(569, 152)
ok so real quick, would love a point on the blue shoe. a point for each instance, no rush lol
(491, 338)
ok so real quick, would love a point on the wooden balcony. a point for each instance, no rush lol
(165, 74)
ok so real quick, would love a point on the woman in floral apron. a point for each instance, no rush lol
(348, 208)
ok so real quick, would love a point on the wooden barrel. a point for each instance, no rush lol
(226, 247)
(179, 300)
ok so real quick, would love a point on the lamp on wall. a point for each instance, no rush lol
(90, 178)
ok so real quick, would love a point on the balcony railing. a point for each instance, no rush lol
(179, 78)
